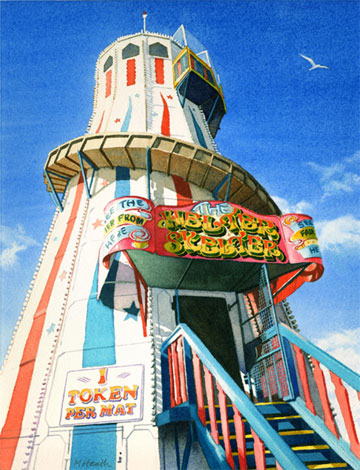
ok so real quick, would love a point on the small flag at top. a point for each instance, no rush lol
(144, 19)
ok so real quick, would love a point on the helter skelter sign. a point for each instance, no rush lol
(211, 230)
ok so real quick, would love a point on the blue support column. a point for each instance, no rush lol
(228, 188)
(213, 108)
(148, 171)
(183, 98)
(177, 306)
(95, 168)
(55, 195)
(221, 184)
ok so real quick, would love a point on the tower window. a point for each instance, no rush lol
(108, 63)
(131, 50)
(158, 50)
(181, 65)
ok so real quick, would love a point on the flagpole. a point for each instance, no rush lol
(144, 19)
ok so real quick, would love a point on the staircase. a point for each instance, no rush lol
(311, 449)
(236, 433)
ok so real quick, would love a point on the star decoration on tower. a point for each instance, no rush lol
(137, 95)
(169, 97)
(132, 312)
(117, 120)
(63, 275)
(104, 183)
(97, 223)
(155, 114)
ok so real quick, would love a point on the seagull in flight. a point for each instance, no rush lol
(314, 66)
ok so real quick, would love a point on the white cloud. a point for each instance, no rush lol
(13, 241)
(343, 345)
(336, 234)
(286, 207)
(340, 177)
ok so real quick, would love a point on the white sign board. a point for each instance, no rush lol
(103, 395)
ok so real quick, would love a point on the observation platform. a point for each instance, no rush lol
(226, 180)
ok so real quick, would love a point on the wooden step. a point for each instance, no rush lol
(281, 433)
(294, 448)
(317, 466)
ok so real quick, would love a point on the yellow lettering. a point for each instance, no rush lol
(255, 246)
(82, 395)
(80, 412)
(193, 221)
(174, 244)
(70, 412)
(209, 247)
(249, 223)
(72, 394)
(106, 410)
(128, 391)
(130, 407)
(98, 394)
(115, 393)
(90, 412)
(213, 227)
(120, 410)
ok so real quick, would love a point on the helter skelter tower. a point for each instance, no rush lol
(156, 317)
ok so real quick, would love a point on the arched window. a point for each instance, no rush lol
(131, 50)
(108, 63)
(158, 50)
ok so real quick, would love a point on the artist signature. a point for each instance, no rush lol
(83, 463)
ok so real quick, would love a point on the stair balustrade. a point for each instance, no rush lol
(197, 388)
(339, 373)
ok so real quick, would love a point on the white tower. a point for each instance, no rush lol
(83, 377)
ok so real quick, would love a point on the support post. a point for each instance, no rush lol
(344, 403)
(211, 404)
(59, 203)
(240, 438)
(148, 171)
(304, 378)
(199, 388)
(95, 168)
(225, 425)
(321, 385)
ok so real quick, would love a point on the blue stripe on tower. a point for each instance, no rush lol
(198, 131)
(97, 443)
(127, 119)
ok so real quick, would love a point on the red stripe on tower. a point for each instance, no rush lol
(130, 72)
(108, 83)
(159, 71)
(183, 191)
(11, 430)
(101, 121)
(165, 123)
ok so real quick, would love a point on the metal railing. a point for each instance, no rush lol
(339, 373)
(193, 377)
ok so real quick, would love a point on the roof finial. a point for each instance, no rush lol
(144, 19)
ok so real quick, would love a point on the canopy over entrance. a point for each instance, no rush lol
(210, 245)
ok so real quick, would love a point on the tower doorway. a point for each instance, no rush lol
(208, 317)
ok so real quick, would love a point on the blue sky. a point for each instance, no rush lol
(295, 130)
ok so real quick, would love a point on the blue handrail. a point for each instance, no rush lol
(277, 446)
(346, 374)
